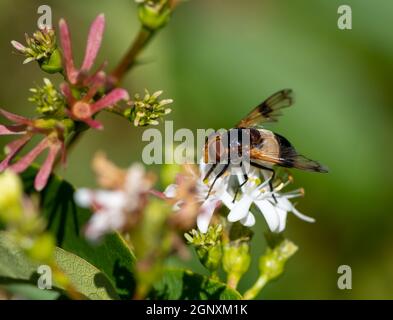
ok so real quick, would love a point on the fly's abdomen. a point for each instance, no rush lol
(289, 158)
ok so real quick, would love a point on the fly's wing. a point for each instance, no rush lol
(288, 158)
(269, 110)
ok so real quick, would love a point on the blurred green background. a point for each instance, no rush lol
(219, 58)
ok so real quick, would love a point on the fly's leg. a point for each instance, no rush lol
(210, 172)
(216, 178)
(259, 166)
(245, 176)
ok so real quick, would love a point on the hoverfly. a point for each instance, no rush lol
(264, 150)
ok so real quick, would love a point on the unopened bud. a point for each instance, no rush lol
(43, 248)
(154, 14)
(236, 261)
(207, 246)
(48, 100)
(10, 197)
(41, 47)
(271, 264)
(148, 110)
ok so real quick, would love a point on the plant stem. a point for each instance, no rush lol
(129, 59)
(74, 139)
(233, 280)
(140, 42)
(256, 288)
(70, 144)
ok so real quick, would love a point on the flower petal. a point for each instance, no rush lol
(207, 210)
(12, 130)
(42, 177)
(97, 75)
(110, 199)
(15, 118)
(94, 86)
(27, 60)
(270, 214)
(110, 99)
(18, 46)
(27, 160)
(102, 222)
(65, 40)
(66, 91)
(240, 209)
(93, 42)
(287, 205)
(83, 198)
(282, 217)
(170, 191)
(248, 221)
(227, 199)
(12, 149)
(284, 204)
(97, 226)
(302, 216)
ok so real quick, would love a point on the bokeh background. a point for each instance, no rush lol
(219, 58)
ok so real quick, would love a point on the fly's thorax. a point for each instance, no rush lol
(230, 146)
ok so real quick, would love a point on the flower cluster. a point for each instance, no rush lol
(63, 113)
(81, 76)
(119, 204)
(147, 110)
(25, 230)
(82, 106)
(22, 220)
(54, 134)
(273, 204)
(38, 47)
(48, 100)
(207, 246)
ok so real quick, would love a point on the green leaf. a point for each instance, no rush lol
(13, 263)
(186, 285)
(31, 292)
(66, 221)
(86, 278)
(19, 274)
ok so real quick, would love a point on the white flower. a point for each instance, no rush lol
(208, 204)
(113, 207)
(136, 185)
(225, 195)
(109, 215)
(273, 205)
